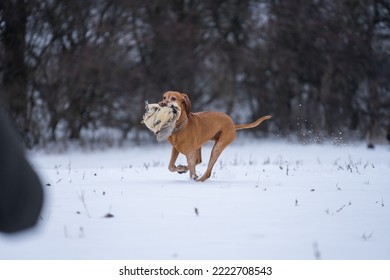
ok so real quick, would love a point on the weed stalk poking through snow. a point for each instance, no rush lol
(316, 251)
(82, 198)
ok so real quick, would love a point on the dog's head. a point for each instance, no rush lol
(181, 98)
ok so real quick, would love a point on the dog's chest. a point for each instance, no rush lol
(182, 143)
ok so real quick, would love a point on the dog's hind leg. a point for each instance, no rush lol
(221, 143)
(198, 156)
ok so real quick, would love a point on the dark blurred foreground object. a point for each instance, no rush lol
(21, 193)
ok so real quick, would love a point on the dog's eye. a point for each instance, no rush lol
(173, 99)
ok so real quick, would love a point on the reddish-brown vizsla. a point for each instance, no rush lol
(194, 129)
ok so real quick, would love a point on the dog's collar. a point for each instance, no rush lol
(178, 128)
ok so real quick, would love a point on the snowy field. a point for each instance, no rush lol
(265, 200)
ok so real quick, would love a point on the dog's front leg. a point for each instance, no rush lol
(172, 167)
(192, 161)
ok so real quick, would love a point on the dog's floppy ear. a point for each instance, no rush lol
(187, 102)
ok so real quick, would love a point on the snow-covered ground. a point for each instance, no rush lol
(265, 200)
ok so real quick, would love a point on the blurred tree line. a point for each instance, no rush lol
(320, 67)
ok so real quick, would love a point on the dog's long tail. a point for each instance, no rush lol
(252, 125)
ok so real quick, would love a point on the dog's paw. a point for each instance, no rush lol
(194, 178)
(181, 169)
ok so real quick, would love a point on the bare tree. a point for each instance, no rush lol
(14, 70)
(320, 67)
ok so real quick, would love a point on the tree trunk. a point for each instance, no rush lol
(15, 71)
